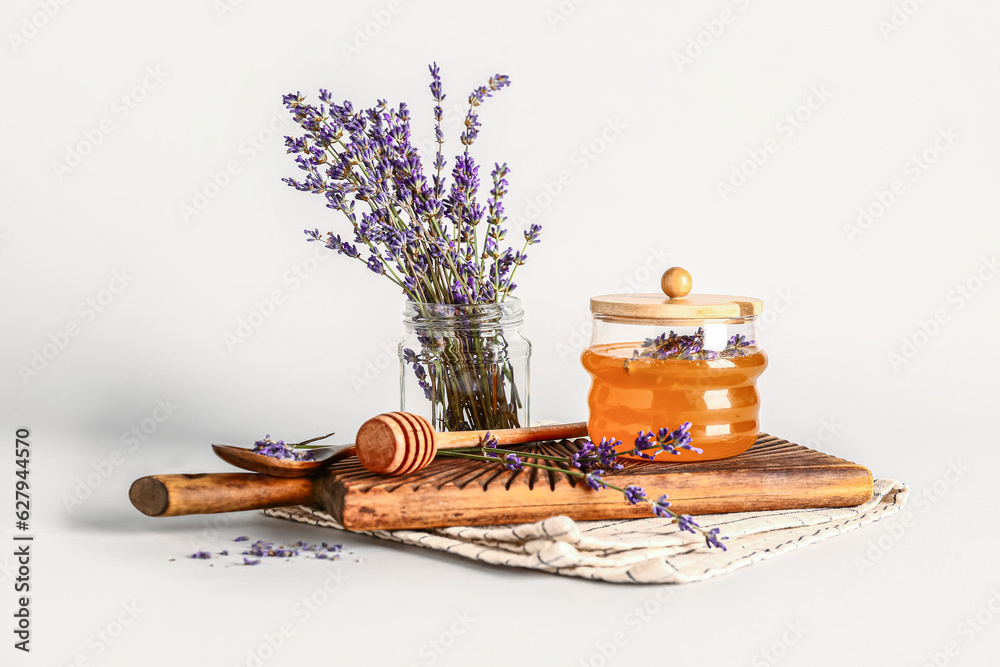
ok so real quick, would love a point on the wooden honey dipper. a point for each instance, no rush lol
(391, 444)
(398, 443)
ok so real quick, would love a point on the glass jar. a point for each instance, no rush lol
(465, 367)
(658, 360)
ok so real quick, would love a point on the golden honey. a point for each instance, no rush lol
(718, 396)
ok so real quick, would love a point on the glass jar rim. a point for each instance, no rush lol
(508, 312)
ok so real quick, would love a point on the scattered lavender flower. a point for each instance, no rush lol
(279, 450)
(263, 549)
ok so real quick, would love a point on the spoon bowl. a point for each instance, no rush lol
(241, 457)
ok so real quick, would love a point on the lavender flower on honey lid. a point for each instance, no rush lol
(675, 303)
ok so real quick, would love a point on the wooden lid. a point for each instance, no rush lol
(679, 306)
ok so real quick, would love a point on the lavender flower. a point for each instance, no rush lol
(201, 554)
(489, 443)
(512, 462)
(247, 561)
(531, 234)
(594, 481)
(691, 347)
(713, 539)
(663, 440)
(635, 494)
(591, 463)
(661, 506)
(279, 450)
(419, 233)
(603, 456)
(685, 522)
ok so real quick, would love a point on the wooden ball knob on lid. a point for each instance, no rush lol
(676, 282)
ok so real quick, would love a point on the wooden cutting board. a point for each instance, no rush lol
(774, 474)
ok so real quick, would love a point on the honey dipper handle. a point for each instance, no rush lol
(178, 495)
(511, 436)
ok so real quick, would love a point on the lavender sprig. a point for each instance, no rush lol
(591, 462)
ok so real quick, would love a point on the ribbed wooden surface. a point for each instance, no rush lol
(773, 474)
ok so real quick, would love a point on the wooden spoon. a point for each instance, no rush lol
(241, 457)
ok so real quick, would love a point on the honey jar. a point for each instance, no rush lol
(659, 360)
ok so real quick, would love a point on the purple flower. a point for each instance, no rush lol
(664, 440)
(201, 554)
(736, 347)
(594, 481)
(691, 347)
(634, 494)
(600, 457)
(489, 442)
(686, 522)
(512, 462)
(661, 505)
(713, 539)
(279, 450)
(531, 234)
(241, 538)
(247, 561)
(644, 442)
(581, 457)
(416, 230)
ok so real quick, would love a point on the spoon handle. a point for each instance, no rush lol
(178, 495)
(511, 436)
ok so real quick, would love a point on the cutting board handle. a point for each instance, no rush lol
(179, 495)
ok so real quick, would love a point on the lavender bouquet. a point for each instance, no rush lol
(436, 241)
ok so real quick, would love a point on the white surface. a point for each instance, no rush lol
(650, 200)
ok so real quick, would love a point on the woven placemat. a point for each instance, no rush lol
(641, 551)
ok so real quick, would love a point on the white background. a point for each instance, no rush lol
(661, 133)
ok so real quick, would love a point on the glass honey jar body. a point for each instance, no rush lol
(657, 362)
